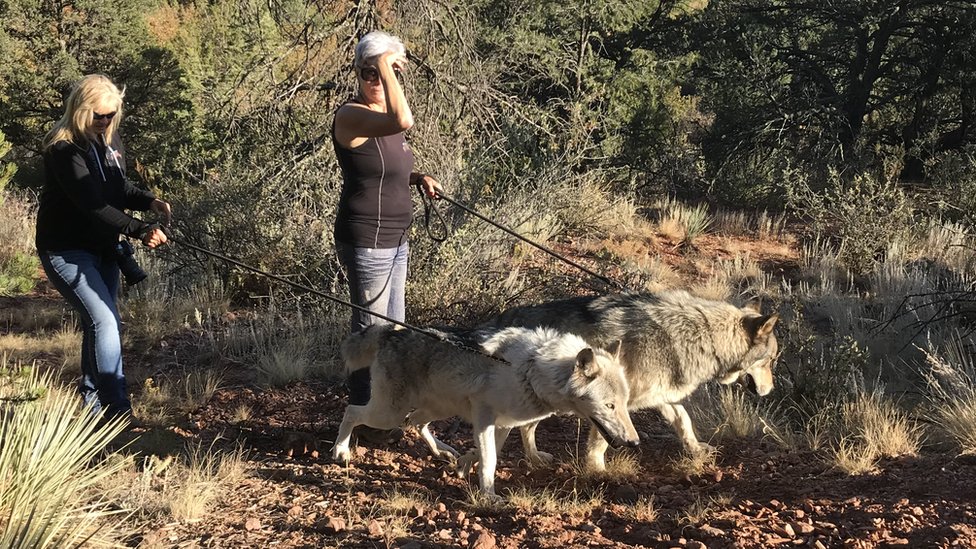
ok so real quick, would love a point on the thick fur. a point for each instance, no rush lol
(672, 342)
(543, 372)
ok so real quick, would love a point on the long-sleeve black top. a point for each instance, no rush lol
(85, 191)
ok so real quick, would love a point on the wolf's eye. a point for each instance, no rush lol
(611, 405)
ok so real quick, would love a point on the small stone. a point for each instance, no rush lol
(460, 517)
(709, 531)
(335, 524)
(441, 508)
(375, 528)
(295, 511)
(482, 540)
(917, 511)
(625, 493)
(445, 534)
(799, 513)
(788, 531)
(718, 475)
(818, 544)
(804, 528)
(252, 523)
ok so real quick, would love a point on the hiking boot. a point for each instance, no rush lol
(377, 437)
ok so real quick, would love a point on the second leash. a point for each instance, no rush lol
(558, 256)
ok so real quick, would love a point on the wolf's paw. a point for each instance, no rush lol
(464, 464)
(540, 459)
(341, 455)
(702, 449)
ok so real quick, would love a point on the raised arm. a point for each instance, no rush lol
(355, 123)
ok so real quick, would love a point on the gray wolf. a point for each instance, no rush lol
(672, 342)
(545, 372)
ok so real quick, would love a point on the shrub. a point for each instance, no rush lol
(50, 462)
(863, 213)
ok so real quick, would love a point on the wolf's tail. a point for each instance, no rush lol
(359, 349)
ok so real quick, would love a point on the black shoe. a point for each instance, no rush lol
(378, 437)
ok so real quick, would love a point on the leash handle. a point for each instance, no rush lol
(429, 206)
(564, 259)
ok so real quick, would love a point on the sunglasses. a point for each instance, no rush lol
(106, 116)
(372, 74)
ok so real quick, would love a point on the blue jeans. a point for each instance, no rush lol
(377, 280)
(90, 283)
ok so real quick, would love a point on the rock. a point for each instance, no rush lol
(445, 534)
(295, 511)
(799, 513)
(375, 528)
(818, 544)
(917, 511)
(804, 528)
(482, 540)
(441, 508)
(460, 517)
(625, 493)
(252, 523)
(710, 531)
(335, 524)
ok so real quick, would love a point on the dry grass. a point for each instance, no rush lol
(194, 486)
(643, 510)
(63, 347)
(573, 503)
(695, 463)
(869, 427)
(951, 392)
(162, 401)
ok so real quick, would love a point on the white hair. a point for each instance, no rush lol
(376, 43)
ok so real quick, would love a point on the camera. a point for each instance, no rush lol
(131, 270)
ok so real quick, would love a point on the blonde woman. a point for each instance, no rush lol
(79, 220)
(375, 210)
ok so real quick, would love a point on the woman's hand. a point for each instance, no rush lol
(155, 237)
(395, 60)
(163, 211)
(429, 185)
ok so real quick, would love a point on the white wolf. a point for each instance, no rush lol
(545, 372)
(672, 342)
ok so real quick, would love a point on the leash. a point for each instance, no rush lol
(564, 259)
(332, 298)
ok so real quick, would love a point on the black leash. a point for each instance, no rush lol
(332, 298)
(562, 258)
(429, 207)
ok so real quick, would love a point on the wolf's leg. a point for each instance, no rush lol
(532, 453)
(596, 448)
(681, 421)
(437, 447)
(484, 431)
(350, 419)
(468, 460)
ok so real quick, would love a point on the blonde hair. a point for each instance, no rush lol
(87, 94)
(376, 43)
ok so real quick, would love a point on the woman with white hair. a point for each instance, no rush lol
(375, 210)
(79, 220)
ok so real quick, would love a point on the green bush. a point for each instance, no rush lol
(18, 273)
(864, 213)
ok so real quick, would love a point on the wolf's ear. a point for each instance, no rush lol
(759, 326)
(614, 349)
(586, 363)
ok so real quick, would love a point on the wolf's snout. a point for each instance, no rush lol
(750, 384)
(633, 443)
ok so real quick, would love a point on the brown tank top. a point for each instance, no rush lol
(375, 209)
